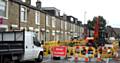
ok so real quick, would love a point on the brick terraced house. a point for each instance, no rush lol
(46, 21)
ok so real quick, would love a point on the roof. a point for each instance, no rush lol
(31, 7)
(27, 5)
(50, 8)
(117, 30)
(114, 32)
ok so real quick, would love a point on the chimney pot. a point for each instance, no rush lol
(38, 4)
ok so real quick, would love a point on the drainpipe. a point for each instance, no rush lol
(19, 16)
(60, 31)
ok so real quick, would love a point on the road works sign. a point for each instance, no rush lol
(59, 51)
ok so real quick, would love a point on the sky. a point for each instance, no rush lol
(85, 10)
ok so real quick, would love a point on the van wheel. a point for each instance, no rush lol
(40, 57)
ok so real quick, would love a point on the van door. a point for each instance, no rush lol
(28, 55)
(36, 47)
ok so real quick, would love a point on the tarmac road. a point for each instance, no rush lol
(71, 60)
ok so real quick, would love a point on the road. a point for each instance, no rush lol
(71, 60)
(81, 60)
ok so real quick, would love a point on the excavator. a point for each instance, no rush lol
(95, 40)
(101, 44)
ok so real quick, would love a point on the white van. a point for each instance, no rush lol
(20, 45)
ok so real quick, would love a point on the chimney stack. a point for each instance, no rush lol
(64, 16)
(28, 2)
(38, 4)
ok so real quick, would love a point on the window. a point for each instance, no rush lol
(36, 41)
(21, 28)
(61, 24)
(47, 36)
(72, 27)
(4, 28)
(71, 19)
(65, 25)
(23, 14)
(53, 32)
(57, 37)
(47, 22)
(53, 35)
(4, 8)
(14, 27)
(53, 21)
(26, 1)
(31, 28)
(37, 18)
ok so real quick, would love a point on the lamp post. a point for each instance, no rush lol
(45, 27)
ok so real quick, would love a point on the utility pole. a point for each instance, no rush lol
(85, 28)
(85, 16)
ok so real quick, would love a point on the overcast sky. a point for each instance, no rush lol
(109, 9)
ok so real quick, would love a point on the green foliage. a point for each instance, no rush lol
(71, 44)
(90, 25)
(102, 23)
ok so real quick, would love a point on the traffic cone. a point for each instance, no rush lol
(86, 59)
(76, 58)
(98, 58)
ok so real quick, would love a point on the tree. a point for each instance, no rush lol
(89, 26)
(102, 26)
(101, 20)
